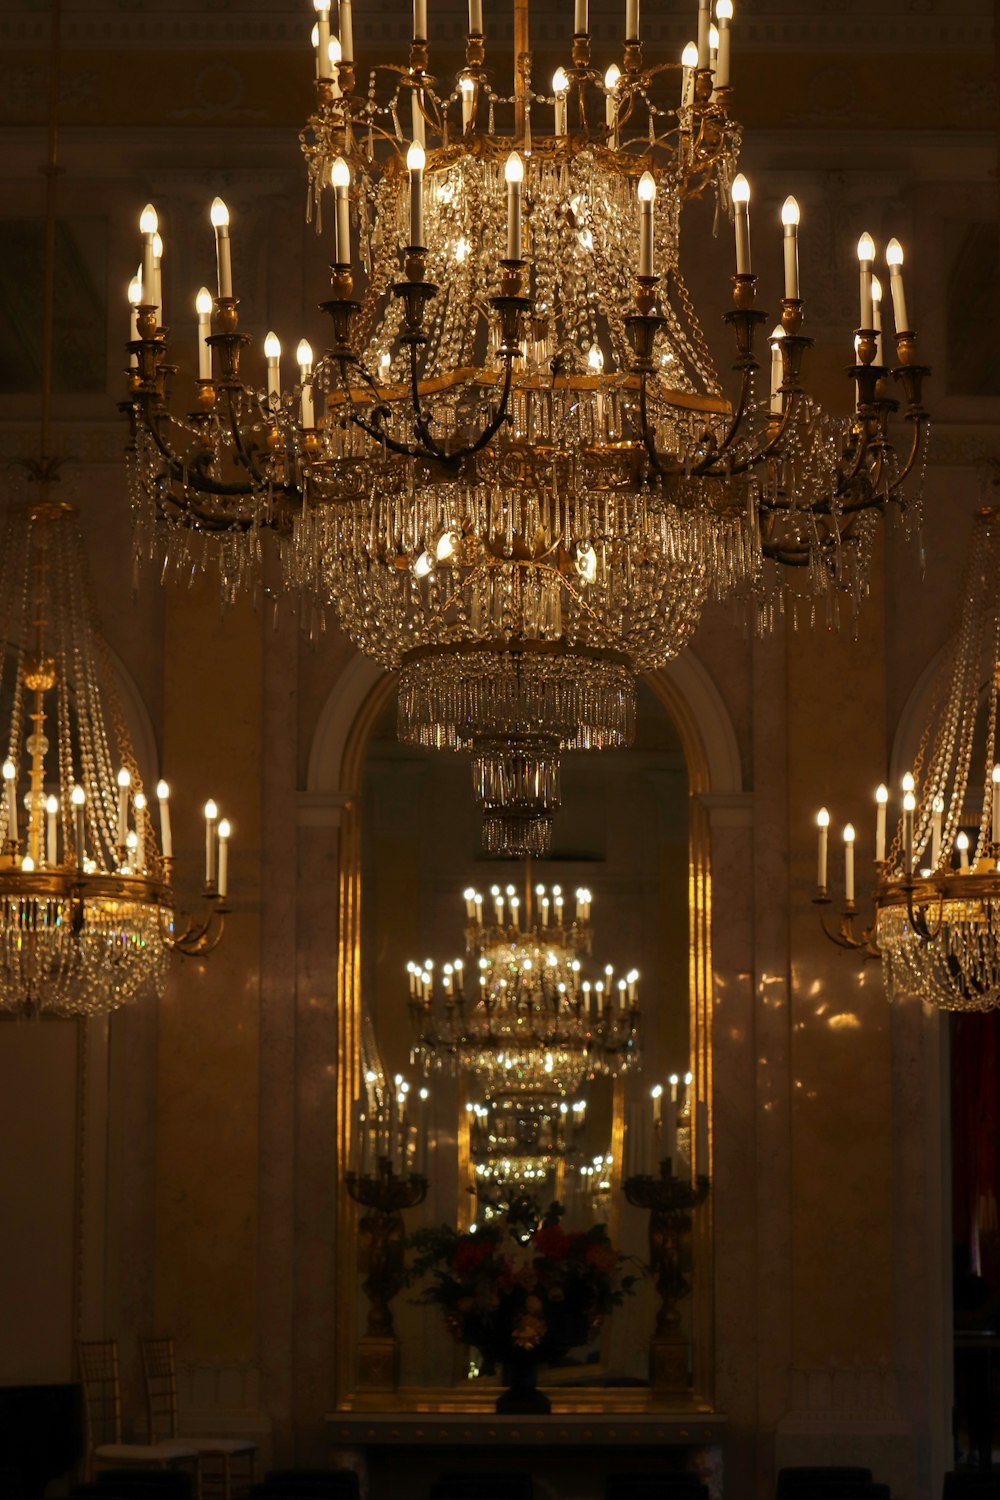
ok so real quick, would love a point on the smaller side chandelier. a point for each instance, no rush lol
(522, 1012)
(88, 914)
(937, 883)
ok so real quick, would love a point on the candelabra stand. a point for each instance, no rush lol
(383, 1194)
(669, 1200)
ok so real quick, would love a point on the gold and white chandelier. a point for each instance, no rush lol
(521, 1013)
(937, 884)
(513, 471)
(88, 915)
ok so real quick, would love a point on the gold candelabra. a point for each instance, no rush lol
(384, 1195)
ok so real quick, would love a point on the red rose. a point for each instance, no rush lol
(603, 1258)
(469, 1256)
(552, 1241)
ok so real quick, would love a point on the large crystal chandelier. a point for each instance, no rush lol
(937, 883)
(522, 1012)
(513, 471)
(88, 915)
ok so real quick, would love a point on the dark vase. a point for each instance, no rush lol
(522, 1396)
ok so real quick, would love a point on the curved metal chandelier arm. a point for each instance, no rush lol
(925, 928)
(197, 936)
(244, 452)
(376, 428)
(844, 935)
(920, 423)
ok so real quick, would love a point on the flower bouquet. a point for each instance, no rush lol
(521, 1295)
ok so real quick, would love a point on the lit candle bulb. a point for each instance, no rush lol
(595, 362)
(134, 302)
(314, 39)
(211, 816)
(724, 15)
(322, 9)
(51, 831)
(139, 803)
(713, 46)
(163, 802)
(689, 62)
(203, 307)
(849, 861)
(741, 213)
(147, 228)
(656, 1094)
(415, 161)
(777, 369)
(219, 215)
(335, 57)
(881, 798)
(560, 87)
(78, 798)
(877, 320)
(790, 221)
(823, 824)
(304, 356)
(225, 830)
(272, 353)
(611, 80)
(894, 260)
(647, 197)
(909, 806)
(514, 176)
(866, 255)
(470, 904)
(10, 788)
(996, 804)
(962, 845)
(937, 814)
(467, 89)
(157, 292)
(124, 782)
(340, 176)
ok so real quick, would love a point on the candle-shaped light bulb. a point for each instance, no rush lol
(595, 359)
(560, 86)
(713, 46)
(467, 89)
(304, 359)
(962, 845)
(689, 64)
(78, 798)
(514, 176)
(996, 804)
(147, 228)
(908, 784)
(156, 296)
(877, 319)
(272, 354)
(203, 307)
(741, 213)
(163, 802)
(881, 799)
(225, 829)
(790, 221)
(647, 197)
(124, 782)
(704, 22)
(416, 160)
(823, 824)
(849, 861)
(894, 260)
(909, 807)
(866, 254)
(724, 16)
(51, 831)
(211, 816)
(777, 369)
(219, 214)
(321, 42)
(340, 177)
(611, 80)
(135, 290)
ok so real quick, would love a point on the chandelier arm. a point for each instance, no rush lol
(374, 429)
(243, 452)
(769, 450)
(924, 929)
(199, 937)
(746, 383)
(193, 471)
(920, 423)
(844, 936)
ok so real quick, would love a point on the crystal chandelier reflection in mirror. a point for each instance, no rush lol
(937, 883)
(521, 1012)
(514, 471)
(87, 909)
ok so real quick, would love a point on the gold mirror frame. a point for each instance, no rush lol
(348, 1066)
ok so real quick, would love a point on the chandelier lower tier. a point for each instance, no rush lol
(88, 915)
(516, 433)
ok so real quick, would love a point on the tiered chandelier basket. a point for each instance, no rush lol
(937, 891)
(513, 471)
(520, 1013)
(87, 909)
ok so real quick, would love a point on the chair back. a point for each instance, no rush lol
(102, 1402)
(160, 1378)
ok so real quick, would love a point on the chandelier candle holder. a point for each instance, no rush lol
(520, 1012)
(936, 922)
(88, 915)
(513, 471)
(670, 1202)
